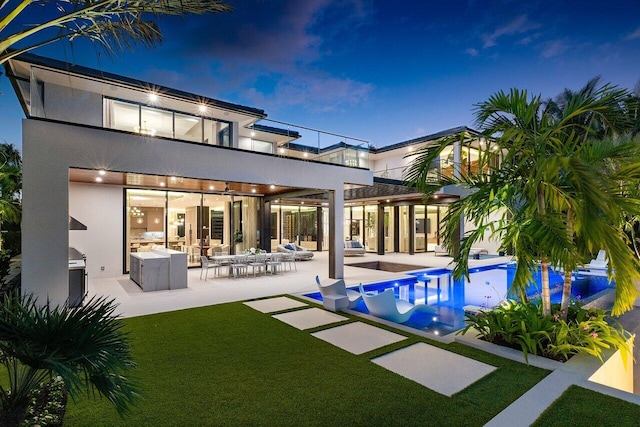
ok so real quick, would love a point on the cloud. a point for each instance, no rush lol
(634, 35)
(313, 91)
(471, 51)
(270, 45)
(519, 25)
(553, 48)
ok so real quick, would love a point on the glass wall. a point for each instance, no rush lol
(298, 224)
(421, 225)
(145, 221)
(193, 223)
(389, 229)
(371, 228)
(151, 121)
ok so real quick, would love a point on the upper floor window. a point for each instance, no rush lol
(151, 121)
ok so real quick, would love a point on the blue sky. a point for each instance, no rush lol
(375, 70)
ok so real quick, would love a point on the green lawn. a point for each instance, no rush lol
(579, 406)
(231, 365)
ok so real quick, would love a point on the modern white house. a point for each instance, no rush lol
(113, 166)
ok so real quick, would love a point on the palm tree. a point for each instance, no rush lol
(10, 186)
(556, 195)
(112, 23)
(85, 346)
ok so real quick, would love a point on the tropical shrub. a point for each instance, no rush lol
(522, 325)
(47, 406)
(86, 346)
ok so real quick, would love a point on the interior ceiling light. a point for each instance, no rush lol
(98, 179)
(273, 187)
(253, 134)
(253, 190)
(306, 154)
(153, 97)
(211, 187)
(162, 184)
(202, 108)
(102, 172)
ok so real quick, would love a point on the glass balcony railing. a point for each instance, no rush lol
(311, 144)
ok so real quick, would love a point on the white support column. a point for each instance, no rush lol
(336, 234)
(45, 223)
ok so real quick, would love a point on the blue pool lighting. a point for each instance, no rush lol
(487, 287)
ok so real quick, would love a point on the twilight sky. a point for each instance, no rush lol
(381, 71)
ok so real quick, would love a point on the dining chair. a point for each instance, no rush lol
(239, 265)
(289, 259)
(259, 262)
(206, 265)
(274, 263)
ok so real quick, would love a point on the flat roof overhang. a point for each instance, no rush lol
(174, 183)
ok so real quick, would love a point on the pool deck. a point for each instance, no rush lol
(133, 302)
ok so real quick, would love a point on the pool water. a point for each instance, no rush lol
(487, 287)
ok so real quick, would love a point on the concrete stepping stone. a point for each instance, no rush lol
(358, 337)
(271, 305)
(440, 370)
(309, 318)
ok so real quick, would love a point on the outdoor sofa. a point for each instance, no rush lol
(299, 253)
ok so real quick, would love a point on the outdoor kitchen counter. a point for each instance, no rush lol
(150, 270)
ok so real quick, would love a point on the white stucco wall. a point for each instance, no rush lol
(489, 244)
(99, 207)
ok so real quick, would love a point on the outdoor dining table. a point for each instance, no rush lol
(228, 259)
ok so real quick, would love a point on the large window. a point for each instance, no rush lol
(193, 223)
(151, 121)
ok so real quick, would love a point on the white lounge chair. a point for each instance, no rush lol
(600, 262)
(386, 306)
(336, 290)
(438, 249)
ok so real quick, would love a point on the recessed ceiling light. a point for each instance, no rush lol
(173, 178)
(102, 172)
(306, 154)
(253, 134)
(202, 108)
(302, 203)
(388, 200)
(281, 150)
(162, 184)
(253, 190)
(98, 179)
(211, 187)
(272, 187)
(153, 97)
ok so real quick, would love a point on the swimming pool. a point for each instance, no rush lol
(488, 286)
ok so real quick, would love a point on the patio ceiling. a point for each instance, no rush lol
(90, 176)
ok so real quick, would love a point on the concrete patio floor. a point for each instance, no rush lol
(217, 290)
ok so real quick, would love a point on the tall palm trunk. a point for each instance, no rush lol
(566, 288)
(544, 262)
(546, 295)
